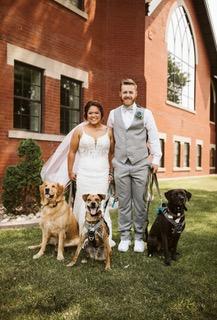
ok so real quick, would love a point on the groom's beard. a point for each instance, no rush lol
(128, 101)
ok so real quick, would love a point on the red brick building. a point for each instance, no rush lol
(57, 54)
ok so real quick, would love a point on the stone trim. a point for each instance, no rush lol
(19, 134)
(182, 139)
(52, 68)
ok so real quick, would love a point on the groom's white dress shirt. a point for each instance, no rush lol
(128, 114)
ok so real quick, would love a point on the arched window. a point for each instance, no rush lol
(213, 102)
(181, 60)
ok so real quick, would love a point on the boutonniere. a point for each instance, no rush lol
(139, 114)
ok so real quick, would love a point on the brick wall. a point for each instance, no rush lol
(113, 43)
(107, 45)
(171, 120)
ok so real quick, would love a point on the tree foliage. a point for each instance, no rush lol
(176, 81)
(21, 181)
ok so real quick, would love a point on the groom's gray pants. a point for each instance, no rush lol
(131, 186)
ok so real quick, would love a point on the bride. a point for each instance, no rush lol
(88, 162)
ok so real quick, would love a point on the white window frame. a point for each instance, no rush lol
(214, 100)
(173, 7)
(212, 146)
(67, 4)
(182, 140)
(186, 143)
(52, 68)
(163, 137)
(200, 143)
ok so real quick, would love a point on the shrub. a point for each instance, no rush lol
(21, 182)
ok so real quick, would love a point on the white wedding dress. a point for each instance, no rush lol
(91, 166)
(92, 173)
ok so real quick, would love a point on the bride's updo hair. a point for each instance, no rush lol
(93, 103)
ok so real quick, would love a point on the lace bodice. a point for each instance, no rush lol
(93, 153)
(92, 147)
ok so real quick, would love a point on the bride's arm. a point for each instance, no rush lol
(74, 144)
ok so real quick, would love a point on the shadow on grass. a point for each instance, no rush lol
(136, 288)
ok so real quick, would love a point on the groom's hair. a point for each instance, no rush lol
(128, 82)
(95, 104)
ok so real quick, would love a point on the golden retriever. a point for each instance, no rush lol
(58, 223)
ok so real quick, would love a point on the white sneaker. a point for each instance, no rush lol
(139, 246)
(124, 245)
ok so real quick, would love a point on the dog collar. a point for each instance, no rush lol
(49, 205)
(92, 225)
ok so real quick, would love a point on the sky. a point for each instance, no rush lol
(212, 4)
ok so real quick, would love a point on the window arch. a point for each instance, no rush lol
(213, 102)
(181, 60)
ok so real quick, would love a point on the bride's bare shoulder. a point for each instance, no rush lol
(77, 132)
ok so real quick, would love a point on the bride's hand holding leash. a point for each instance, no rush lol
(72, 176)
(110, 177)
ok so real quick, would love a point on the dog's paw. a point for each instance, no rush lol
(84, 261)
(37, 256)
(167, 263)
(107, 268)
(60, 257)
(175, 256)
(71, 264)
(33, 247)
(150, 255)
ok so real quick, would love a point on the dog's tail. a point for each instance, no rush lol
(71, 242)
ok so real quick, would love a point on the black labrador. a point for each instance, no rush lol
(168, 225)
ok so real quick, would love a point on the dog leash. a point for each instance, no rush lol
(71, 187)
(154, 180)
(110, 193)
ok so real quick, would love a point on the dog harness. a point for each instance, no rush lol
(93, 229)
(178, 223)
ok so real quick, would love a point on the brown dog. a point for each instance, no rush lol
(58, 223)
(168, 226)
(95, 234)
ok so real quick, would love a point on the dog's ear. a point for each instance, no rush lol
(102, 196)
(168, 194)
(84, 197)
(60, 190)
(188, 194)
(43, 199)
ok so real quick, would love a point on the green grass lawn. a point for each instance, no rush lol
(137, 287)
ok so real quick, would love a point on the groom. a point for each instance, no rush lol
(137, 149)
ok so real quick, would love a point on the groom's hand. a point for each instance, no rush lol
(154, 168)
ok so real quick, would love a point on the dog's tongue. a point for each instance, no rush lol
(93, 211)
(47, 195)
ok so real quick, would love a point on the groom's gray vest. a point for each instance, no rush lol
(130, 144)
